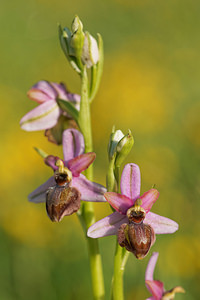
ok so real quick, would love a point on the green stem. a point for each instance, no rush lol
(110, 177)
(121, 255)
(87, 210)
(118, 287)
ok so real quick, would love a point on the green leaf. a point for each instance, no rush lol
(69, 108)
(97, 70)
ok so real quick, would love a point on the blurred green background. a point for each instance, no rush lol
(151, 86)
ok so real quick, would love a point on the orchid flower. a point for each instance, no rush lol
(155, 287)
(132, 221)
(46, 115)
(68, 184)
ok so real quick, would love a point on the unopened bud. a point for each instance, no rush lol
(77, 38)
(90, 53)
(123, 148)
(115, 137)
(79, 47)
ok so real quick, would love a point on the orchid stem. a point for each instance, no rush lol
(121, 255)
(87, 207)
(118, 288)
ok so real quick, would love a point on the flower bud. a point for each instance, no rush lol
(90, 53)
(115, 137)
(79, 47)
(123, 148)
(72, 43)
(77, 38)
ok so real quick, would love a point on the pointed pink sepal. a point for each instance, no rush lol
(42, 117)
(81, 163)
(107, 226)
(90, 191)
(39, 195)
(151, 266)
(119, 202)
(156, 288)
(130, 181)
(160, 224)
(149, 198)
(73, 144)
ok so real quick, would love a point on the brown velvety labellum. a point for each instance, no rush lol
(136, 238)
(62, 201)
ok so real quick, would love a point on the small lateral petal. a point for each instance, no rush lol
(107, 226)
(119, 202)
(156, 288)
(81, 163)
(149, 198)
(39, 195)
(41, 117)
(151, 266)
(130, 181)
(51, 160)
(90, 191)
(73, 144)
(60, 89)
(160, 224)
(42, 91)
(38, 96)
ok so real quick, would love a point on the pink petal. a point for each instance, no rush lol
(155, 287)
(39, 195)
(107, 226)
(130, 181)
(61, 90)
(42, 117)
(90, 191)
(42, 91)
(161, 225)
(73, 144)
(151, 266)
(65, 95)
(81, 163)
(119, 202)
(149, 198)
